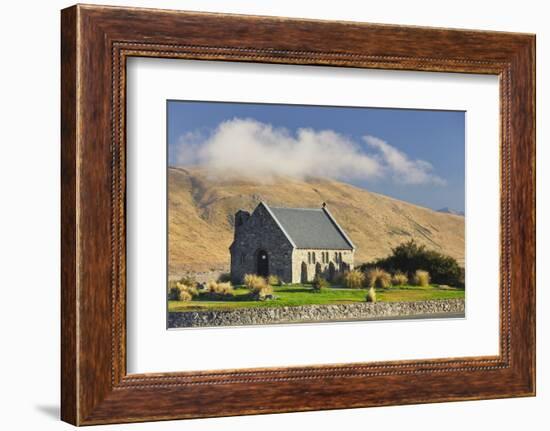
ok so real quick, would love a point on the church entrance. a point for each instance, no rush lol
(262, 264)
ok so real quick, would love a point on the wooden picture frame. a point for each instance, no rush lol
(95, 43)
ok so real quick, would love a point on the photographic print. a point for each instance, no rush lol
(298, 214)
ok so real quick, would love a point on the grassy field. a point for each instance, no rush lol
(293, 295)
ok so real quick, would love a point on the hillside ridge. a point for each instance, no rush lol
(202, 207)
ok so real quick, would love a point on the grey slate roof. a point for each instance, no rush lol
(311, 228)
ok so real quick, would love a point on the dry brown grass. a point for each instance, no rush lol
(200, 209)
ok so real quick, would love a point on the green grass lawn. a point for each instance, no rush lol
(293, 295)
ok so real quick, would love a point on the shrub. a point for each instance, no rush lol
(273, 280)
(224, 277)
(254, 282)
(338, 279)
(410, 256)
(399, 279)
(371, 295)
(421, 278)
(320, 283)
(354, 279)
(174, 293)
(377, 277)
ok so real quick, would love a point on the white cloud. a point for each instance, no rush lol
(403, 169)
(258, 150)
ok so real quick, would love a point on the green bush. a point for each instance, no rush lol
(371, 295)
(224, 277)
(421, 278)
(320, 283)
(338, 279)
(377, 277)
(354, 279)
(410, 256)
(399, 279)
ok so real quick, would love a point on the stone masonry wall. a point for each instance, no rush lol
(300, 256)
(318, 313)
(260, 232)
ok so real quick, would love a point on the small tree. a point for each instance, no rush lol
(410, 256)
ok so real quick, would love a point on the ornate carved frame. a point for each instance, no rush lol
(96, 41)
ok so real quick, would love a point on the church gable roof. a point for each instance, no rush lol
(311, 228)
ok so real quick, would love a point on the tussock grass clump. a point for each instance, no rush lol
(219, 290)
(354, 279)
(189, 288)
(377, 277)
(254, 282)
(273, 280)
(188, 280)
(182, 292)
(371, 295)
(185, 296)
(259, 289)
(320, 283)
(421, 278)
(399, 279)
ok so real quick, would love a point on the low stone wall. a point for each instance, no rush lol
(317, 313)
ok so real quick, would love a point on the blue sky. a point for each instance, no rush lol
(412, 155)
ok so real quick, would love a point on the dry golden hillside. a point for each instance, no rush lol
(201, 210)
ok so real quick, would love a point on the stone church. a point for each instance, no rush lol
(294, 244)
